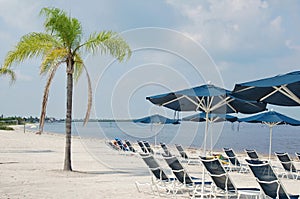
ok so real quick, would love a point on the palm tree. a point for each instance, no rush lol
(61, 44)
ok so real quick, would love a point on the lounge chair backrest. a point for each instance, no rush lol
(262, 170)
(252, 154)
(286, 161)
(232, 157)
(218, 173)
(120, 144)
(267, 179)
(273, 189)
(178, 170)
(143, 147)
(147, 145)
(130, 146)
(181, 151)
(154, 166)
(165, 148)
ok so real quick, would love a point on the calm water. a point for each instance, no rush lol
(238, 136)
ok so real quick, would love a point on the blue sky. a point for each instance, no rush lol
(176, 44)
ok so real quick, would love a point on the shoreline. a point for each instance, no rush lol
(249, 136)
(191, 148)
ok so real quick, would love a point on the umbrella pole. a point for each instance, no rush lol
(270, 145)
(205, 134)
(211, 138)
(204, 153)
(153, 131)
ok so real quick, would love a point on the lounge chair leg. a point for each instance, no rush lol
(137, 187)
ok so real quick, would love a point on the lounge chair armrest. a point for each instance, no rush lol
(177, 171)
(267, 182)
(220, 175)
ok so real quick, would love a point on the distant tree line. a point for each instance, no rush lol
(18, 120)
(5, 122)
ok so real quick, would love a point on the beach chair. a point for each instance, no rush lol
(252, 154)
(185, 157)
(268, 180)
(160, 182)
(186, 182)
(223, 182)
(165, 148)
(287, 165)
(235, 164)
(147, 145)
(130, 146)
(121, 145)
(113, 144)
(142, 146)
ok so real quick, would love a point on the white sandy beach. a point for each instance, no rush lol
(31, 167)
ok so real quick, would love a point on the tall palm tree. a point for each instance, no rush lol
(61, 44)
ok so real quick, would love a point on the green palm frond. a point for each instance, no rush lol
(108, 42)
(7, 71)
(30, 46)
(68, 29)
(52, 57)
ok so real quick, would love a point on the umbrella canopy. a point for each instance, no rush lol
(283, 90)
(212, 117)
(156, 119)
(209, 99)
(271, 118)
(206, 98)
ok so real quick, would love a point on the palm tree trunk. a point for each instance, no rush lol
(67, 165)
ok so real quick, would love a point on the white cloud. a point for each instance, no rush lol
(264, 4)
(276, 23)
(22, 77)
(230, 26)
(290, 45)
(20, 14)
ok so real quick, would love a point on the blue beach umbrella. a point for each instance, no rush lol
(156, 120)
(282, 90)
(209, 99)
(271, 118)
(212, 118)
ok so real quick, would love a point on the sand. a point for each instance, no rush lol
(31, 167)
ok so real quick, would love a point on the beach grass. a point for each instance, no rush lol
(5, 127)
